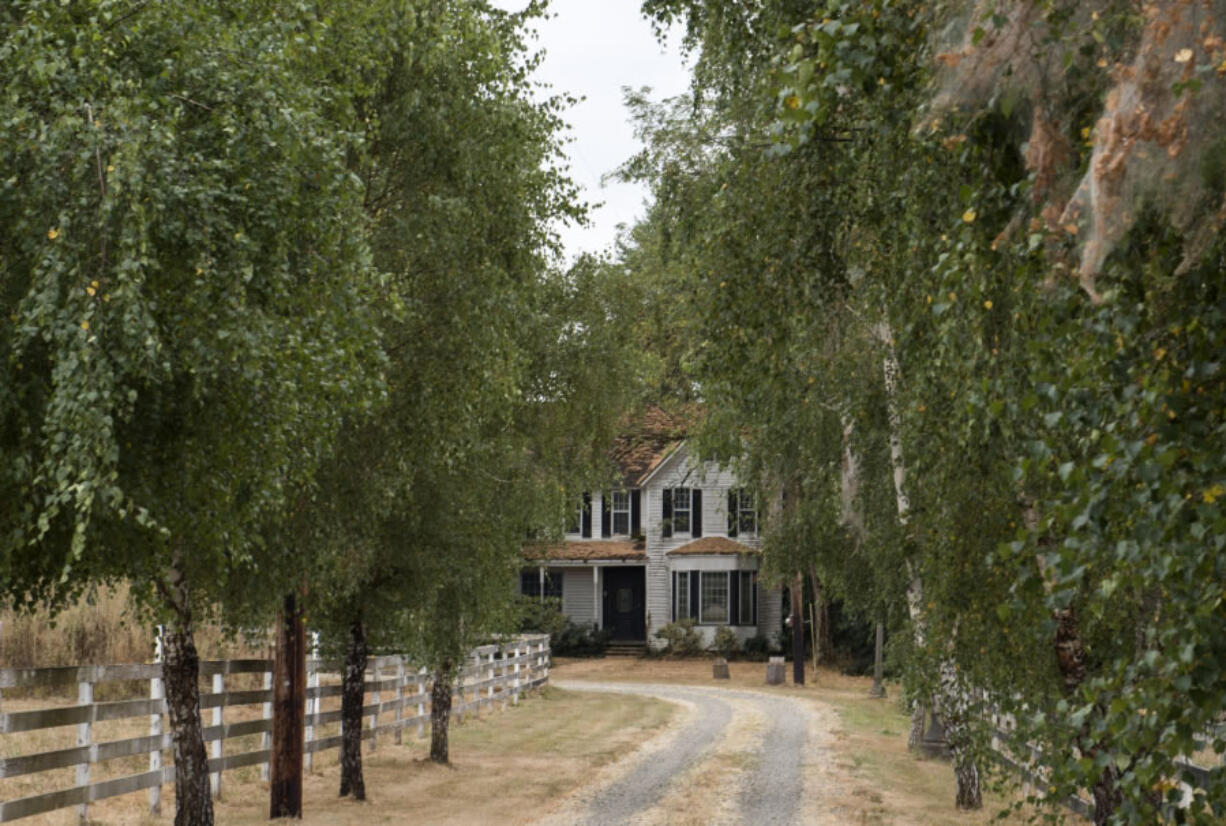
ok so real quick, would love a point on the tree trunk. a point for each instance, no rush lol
(181, 674)
(798, 629)
(440, 713)
(915, 735)
(969, 794)
(878, 689)
(289, 709)
(352, 695)
(1107, 796)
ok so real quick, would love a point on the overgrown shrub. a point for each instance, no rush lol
(757, 648)
(540, 616)
(727, 643)
(575, 640)
(681, 638)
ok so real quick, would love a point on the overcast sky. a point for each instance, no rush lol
(593, 48)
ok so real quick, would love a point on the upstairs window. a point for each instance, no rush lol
(682, 512)
(619, 509)
(742, 513)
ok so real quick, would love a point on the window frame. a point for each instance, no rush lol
(615, 511)
(747, 589)
(688, 509)
(531, 577)
(681, 594)
(702, 601)
(741, 496)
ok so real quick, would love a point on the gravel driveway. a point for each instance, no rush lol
(735, 757)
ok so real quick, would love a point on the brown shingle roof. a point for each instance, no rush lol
(713, 545)
(583, 551)
(646, 442)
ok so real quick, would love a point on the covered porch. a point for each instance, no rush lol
(600, 582)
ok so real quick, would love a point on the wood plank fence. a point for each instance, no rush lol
(495, 674)
(1030, 768)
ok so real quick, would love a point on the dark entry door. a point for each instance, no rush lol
(625, 602)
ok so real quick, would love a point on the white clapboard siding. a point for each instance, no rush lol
(680, 470)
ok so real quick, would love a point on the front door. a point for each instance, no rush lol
(625, 602)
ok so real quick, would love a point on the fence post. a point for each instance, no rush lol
(544, 660)
(515, 689)
(85, 731)
(399, 698)
(374, 698)
(219, 688)
(490, 689)
(502, 673)
(266, 736)
(421, 702)
(312, 700)
(156, 692)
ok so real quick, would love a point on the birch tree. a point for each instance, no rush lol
(183, 272)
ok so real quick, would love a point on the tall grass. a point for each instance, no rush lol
(101, 629)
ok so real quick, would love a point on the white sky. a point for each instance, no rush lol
(593, 48)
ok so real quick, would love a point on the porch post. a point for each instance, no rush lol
(541, 573)
(596, 596)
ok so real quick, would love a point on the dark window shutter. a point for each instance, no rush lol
(636, 507)
(695, 513)
(734, 598)
(732, 512)
(605, 528)
(754, 584)
(674, 600)
(585, 527)
(694, 594)
(668, 512)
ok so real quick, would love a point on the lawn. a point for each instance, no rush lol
(507, 767)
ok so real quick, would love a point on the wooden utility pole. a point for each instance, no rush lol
(798, 629)
(288, 712)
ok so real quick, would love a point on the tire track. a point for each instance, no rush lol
(770, 793)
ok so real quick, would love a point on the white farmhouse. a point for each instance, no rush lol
(680, 538)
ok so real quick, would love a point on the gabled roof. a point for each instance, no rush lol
(648, 441)
(713, 545)
(589, 550)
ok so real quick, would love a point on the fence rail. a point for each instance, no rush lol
(1030, 767)
(492, 674)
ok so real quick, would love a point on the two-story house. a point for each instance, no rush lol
(679, 538)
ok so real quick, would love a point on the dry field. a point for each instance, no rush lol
(515, 766)
(507, 767)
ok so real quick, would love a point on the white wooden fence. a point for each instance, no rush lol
(493, 674)
(1029, 766)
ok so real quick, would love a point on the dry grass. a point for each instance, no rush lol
(100, 629)
(877, 781)
(507, 766)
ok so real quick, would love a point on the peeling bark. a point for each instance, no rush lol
(970, 796)
(352, 694)
(916, 733)
(440, 713)
(181, 674)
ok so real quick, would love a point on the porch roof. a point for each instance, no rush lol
(585, 551)
(713, 545)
